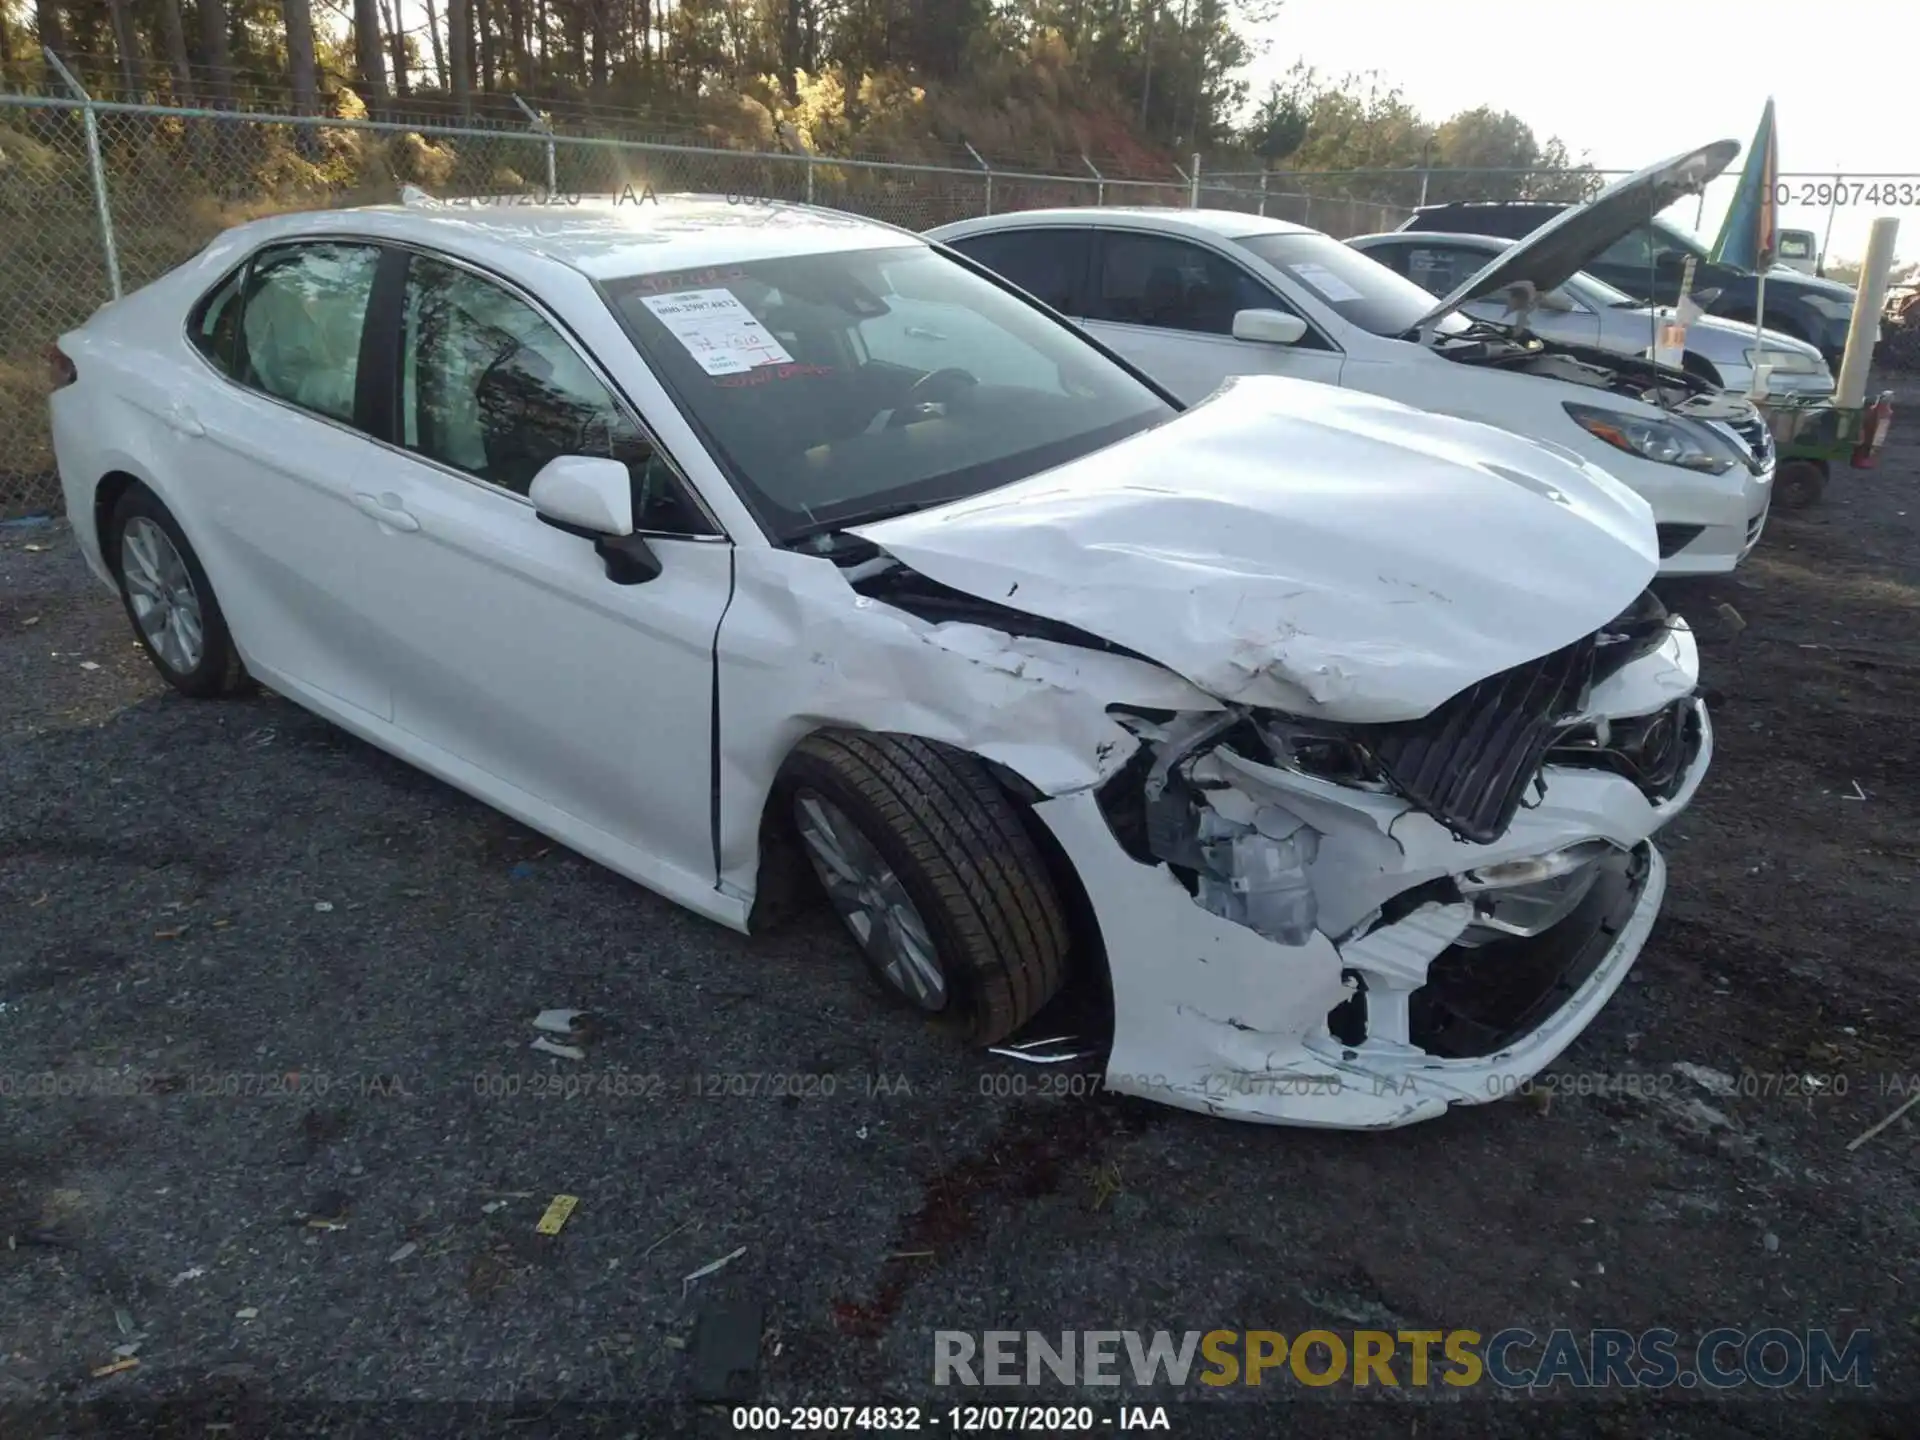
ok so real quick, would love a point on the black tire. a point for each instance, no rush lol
(219, 671)
(1798, 484)
(956, 842)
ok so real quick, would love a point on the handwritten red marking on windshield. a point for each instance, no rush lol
(764, 373)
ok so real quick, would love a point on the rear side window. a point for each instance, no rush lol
(215, 326)
(1049, 264)
(302, 310)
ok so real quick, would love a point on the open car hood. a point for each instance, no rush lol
(1315, 550)
(1566, 244)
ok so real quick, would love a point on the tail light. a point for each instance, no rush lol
(1873, 434)
(60, 367)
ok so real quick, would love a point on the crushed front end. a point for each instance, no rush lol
(1360, 925)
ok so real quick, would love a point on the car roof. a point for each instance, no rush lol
(1437, 237)
(1229, 224)
(630, 233)
(1446, 205)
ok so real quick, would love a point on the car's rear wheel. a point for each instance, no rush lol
(168, 598)
(926, 860)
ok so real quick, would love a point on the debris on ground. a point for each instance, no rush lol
(712, 1267)
(1859, 1140)
(192, 1272)
(126, 1362)
(565, 1052)
(1714, 1082)
(404, 1252)
(558, 1209)
(248, 1312)
(666, 1237)
(557, 1022)
(726, 1352)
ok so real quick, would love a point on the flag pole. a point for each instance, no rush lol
(1758, 390)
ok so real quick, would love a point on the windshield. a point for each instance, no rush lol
(1359, 288)
(836, 388)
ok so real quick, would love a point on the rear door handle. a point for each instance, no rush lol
(387, 509)
(185, 421)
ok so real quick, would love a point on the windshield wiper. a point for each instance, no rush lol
(860, 517)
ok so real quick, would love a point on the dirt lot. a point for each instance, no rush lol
(197, 900)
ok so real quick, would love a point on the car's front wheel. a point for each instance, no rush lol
(168, 598)
(926, 860)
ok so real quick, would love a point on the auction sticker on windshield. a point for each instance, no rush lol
(1330, 285)
(718, 331)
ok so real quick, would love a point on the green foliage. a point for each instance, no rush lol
(1361, 124)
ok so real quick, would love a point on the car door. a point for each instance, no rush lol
(513, 651)
(278, 473)
(1167, 304)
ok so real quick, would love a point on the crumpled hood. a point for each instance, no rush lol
(1315, 550)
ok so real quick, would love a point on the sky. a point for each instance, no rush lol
(1576, 70)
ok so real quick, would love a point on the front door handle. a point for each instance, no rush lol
(387, 509)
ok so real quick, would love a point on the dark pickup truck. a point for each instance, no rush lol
(1648, 263)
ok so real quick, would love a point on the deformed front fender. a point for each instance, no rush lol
(801, 651)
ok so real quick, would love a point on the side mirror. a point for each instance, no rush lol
(592, 497)
(1705, 298)
(582, 493)
(1268, 327)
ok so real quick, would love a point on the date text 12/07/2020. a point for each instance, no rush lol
(959, 1419)
(625, 195)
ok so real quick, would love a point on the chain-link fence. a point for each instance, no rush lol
(99, 198)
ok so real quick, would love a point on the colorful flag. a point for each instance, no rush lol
(1748, 234)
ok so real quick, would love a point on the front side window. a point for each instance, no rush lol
(489, 387)
(1050, 264)
(835, 387)
(300, 321)
(1171, 284)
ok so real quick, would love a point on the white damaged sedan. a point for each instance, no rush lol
(1327, 736)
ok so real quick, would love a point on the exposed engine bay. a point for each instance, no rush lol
(1512, 347)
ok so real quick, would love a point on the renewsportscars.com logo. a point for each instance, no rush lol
(1512, 1359)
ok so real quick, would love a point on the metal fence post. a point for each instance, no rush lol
(809, 177)
(1193, 190)
(98, 165)
(542, 127)
(989, 173)
(1100, 181)
(1263, 192)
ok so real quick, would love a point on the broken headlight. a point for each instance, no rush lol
(1324, 752)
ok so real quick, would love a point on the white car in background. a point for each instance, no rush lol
(1585, 310)
(1331, 734)
(1196, 296)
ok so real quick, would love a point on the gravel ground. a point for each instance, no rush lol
(297, 1144)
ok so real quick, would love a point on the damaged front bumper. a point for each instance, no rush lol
(1327, 952)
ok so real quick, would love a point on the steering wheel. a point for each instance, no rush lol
(933, 388)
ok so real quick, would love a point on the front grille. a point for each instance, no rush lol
(1758, 440)
(1469, 763)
